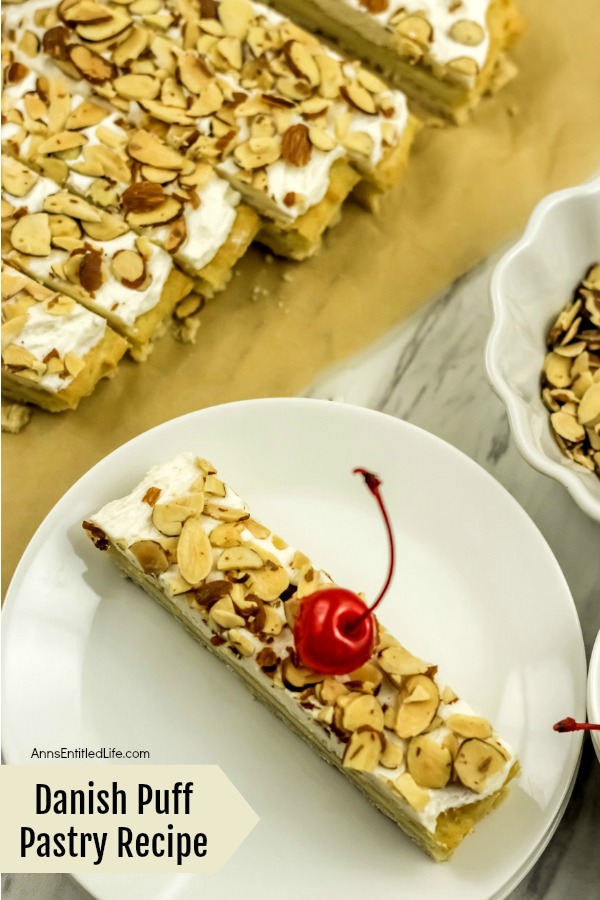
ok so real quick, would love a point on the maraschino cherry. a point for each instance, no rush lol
(335, 630)
(570, 724)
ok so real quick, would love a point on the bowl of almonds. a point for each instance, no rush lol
(543, 352)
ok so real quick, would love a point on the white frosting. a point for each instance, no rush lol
(129, 519)
(208, 226)
(443, 47)
(113, 299)
(77, 332)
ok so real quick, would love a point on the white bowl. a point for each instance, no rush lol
(530, 285)
(593, 694)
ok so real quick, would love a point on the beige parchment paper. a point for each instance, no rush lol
(279, 324)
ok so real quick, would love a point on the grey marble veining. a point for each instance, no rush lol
(430, 372)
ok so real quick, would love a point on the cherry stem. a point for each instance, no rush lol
(373, 483)
(570, 724)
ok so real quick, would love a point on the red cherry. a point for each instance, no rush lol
(570, 724)
(335, 630)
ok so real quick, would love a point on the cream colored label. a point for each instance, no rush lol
(89, 818)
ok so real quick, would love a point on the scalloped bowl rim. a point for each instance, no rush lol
(517, 415)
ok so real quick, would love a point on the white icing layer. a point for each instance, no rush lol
(77, 332)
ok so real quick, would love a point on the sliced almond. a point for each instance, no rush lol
(242, 642)
(19, 357)
(12, 329)
(169, 517)
(567, 426)
(256, 529)
(67, 204)
(226, 535)
(329, 690)
(129, 268)
(476, 762)
(558, 370)
(194, 552)
(467, 32)
(369, 675)
(415, 796)
(60, 305)
(223, 614)
(393, 755)
(147, 148)
(429, 763)
(257, 152)
(225, 513)
(93, 67)
(359, 98)
(364, 710)
(170, 209)
(359, 142)
(17, 179)
(74, 364)
(215, 486)
(151, 557)
(396, 660)
(588, 411)
(363, 751)
(297, 678)
(137, 87)
(239, 558)
(31, 235)
(418, 706)
(236, 16)
(320, 138)
(64, 140)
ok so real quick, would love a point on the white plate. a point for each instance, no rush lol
(593, 693)
(90, 661)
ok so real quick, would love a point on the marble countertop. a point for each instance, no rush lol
(430, 371)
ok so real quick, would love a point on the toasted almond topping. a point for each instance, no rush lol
(466, 32)
(414, 795)
(31, 235)
(17, 179)
(71, 205)
(418, 706)
(239, 558)
(392, 756)
(359, 98)
(146, 147)
(129, 267)
(169, 517)
(364, 710)
(296, 146)
(588, 412)
(151, 557)
(12, 329)
(194, 552)
(242, 641)
(476, 762)
(429, 763)
(396, 660)
(363, 751)
(225, 513)
(469, 726)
